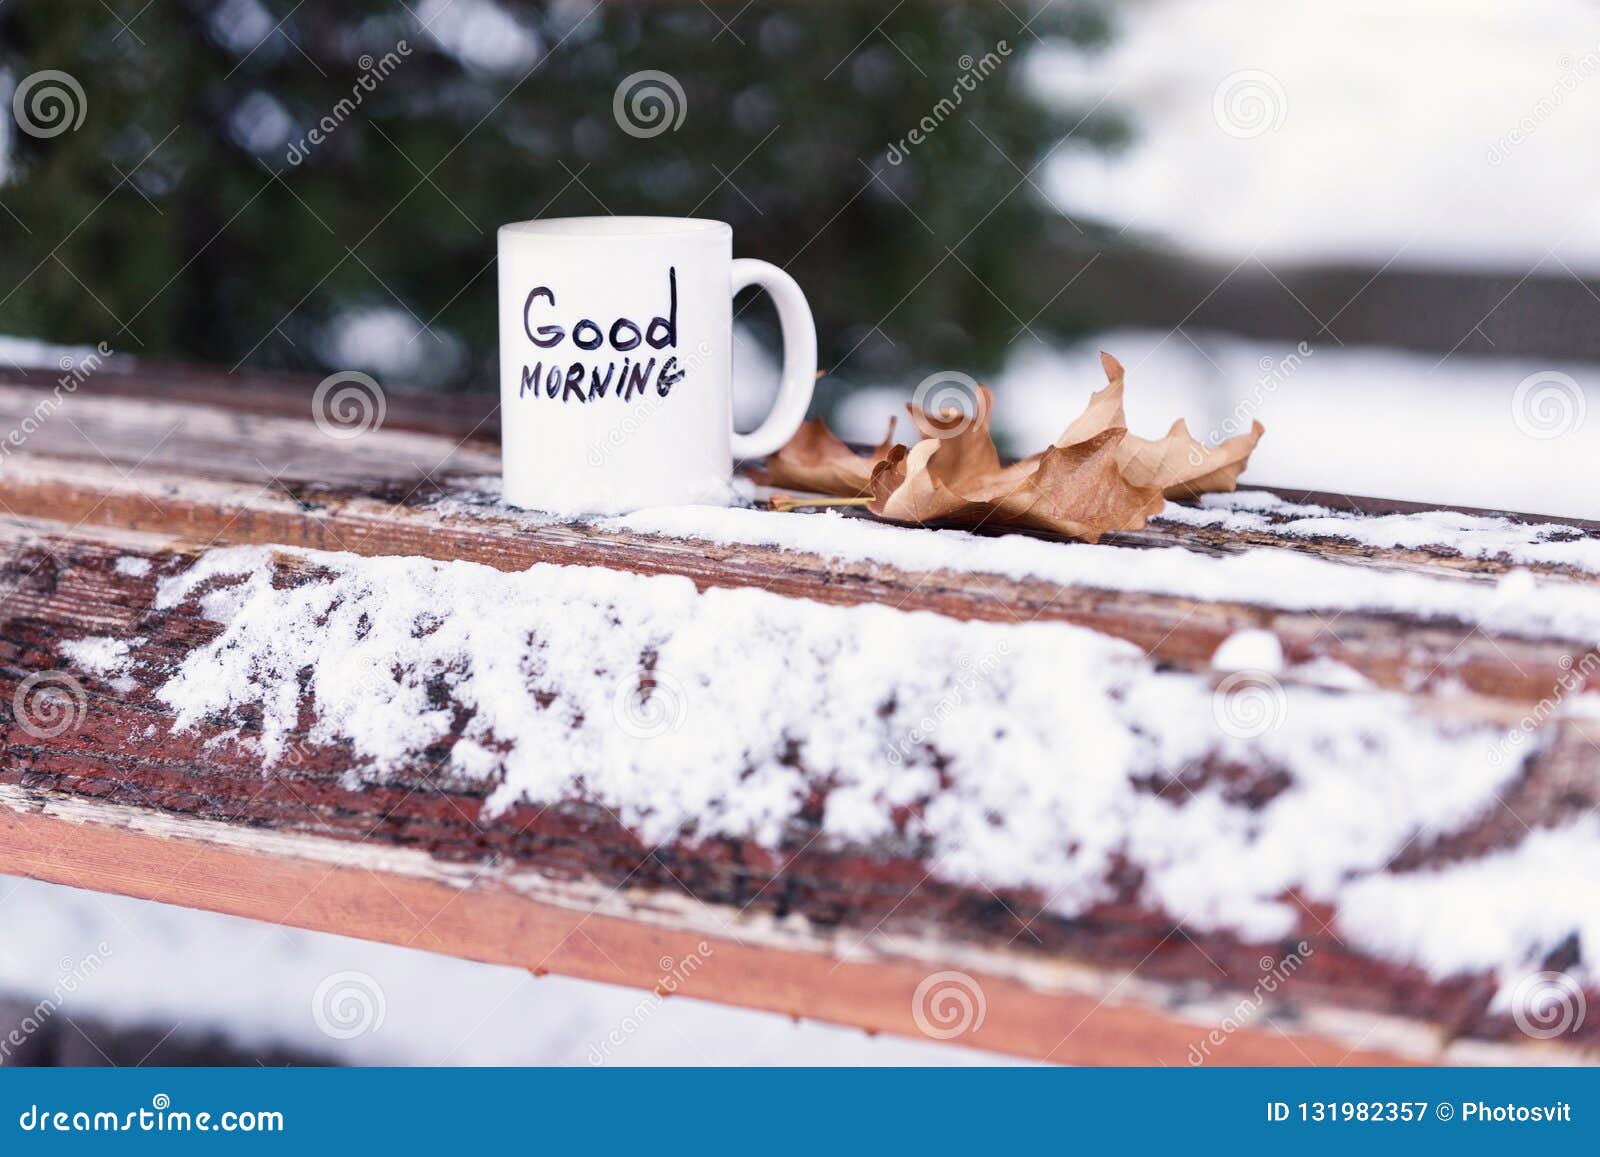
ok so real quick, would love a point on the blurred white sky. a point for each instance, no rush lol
(1360, 132)
(1428, 134)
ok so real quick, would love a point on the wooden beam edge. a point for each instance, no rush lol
(1393, 651)
(1061, 1012)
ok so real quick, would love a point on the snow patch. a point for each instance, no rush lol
(1010, 755)
(1265, 576)
(1467, 535)
(1503, 913)
(1325, 672)
(101, 654)
(1249, 651)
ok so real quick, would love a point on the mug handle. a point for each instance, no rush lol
(799, 358)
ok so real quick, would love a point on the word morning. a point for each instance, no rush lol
(579, 382)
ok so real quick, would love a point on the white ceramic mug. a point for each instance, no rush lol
(616, 352)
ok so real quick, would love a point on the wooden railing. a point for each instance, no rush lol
(122, 485)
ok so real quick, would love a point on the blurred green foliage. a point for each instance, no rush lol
(174, 224)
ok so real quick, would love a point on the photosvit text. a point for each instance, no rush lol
(566, 381)
(1415, 1112)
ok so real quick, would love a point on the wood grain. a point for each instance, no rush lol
(160, 469)
(211, 476)
(1086, 1019)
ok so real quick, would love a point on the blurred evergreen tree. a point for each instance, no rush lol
(190, 217)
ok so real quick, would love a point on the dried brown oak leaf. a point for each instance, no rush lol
(955, 476)
(1074, 490)
(816, 460)
(1179, 464)
(1096, 478)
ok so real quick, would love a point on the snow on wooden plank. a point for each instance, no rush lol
(444, 721)
(509, 720)
(253, 428)
(1399, 619)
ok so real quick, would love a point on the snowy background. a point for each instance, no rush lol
(1418, 134)
(1408, 134)
(195, 973)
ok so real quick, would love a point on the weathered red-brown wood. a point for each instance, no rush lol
(127, 804)
(1082, 1024)
(213, 475)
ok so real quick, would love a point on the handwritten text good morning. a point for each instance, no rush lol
(582, 382)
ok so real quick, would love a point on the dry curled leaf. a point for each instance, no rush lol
(1215, 469)
(1096, 478)
(966, 448)
(1179, 464)
(815, 459)
(1081, 491)
(1104, 410)
(1074, 490)
(906, 490)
